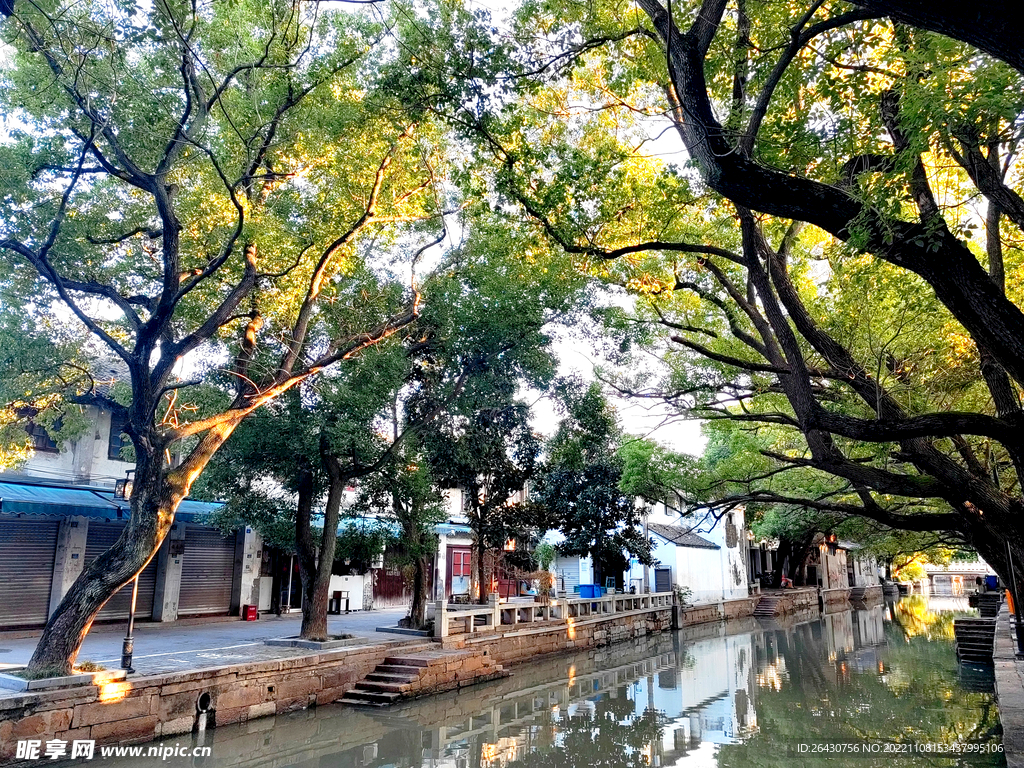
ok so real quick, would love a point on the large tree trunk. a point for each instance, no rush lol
(318, 588)
(154, 500)
(484, 584)
(152, 512)
(305, 547)
(418, 612)
(157, 492)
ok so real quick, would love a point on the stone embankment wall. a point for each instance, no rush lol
(152, 707)
(1009, 680)
(870, 595)
(798, 600)
(836, 599)
(513, 647)
(714, 612)
(147, 708)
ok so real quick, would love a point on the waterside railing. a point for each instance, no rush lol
(452, 619)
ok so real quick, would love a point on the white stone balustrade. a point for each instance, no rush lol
(461, 619)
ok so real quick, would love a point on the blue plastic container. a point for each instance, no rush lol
(591, 590)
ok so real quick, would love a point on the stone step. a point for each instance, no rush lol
(380, 698)
(399, 669)
(390, 677)
(352, 702)
(409, 661)
(976, 659)
(383, 687)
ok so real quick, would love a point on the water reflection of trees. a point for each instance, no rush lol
(909, 695)
(911, 617)
(612, 735)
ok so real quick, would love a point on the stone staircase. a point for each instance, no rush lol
(409, 675)
(987, 603)
(767, 606)
(974, 640)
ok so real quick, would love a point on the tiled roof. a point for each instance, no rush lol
(681, 537)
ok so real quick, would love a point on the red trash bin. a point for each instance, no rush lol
(250, 613)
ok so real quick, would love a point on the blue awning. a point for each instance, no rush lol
(452, 529)
(347, 523)
(64, 501)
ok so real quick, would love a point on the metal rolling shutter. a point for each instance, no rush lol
(27, 550)
(662, 579)
(207, 572)
(567, 570)
(101, 537)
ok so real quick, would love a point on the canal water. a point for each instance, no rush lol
(874, 687)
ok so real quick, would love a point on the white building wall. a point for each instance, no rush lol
(711, 575)
(732, 566)
(454, 504)
(833, 569)
(353, 585)
(702, 571)
(82, 460)
(865, 571)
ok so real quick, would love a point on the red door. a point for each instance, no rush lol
(458, 571)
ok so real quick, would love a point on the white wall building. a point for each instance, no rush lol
(704, 555)
(93, 458)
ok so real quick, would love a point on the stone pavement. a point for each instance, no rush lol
(163, 648)
(1009, 673)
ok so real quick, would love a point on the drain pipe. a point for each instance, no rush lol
(202, 714)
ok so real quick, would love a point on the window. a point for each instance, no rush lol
(462, 563)
(118, 439)
(41, 440)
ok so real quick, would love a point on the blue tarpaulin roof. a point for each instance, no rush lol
(448, 528)
(32, 499)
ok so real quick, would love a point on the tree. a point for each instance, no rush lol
(830, 152)
(580, 486)
(494, 342)
(296, 458)
(404, 491)
(487, 449)
(193, 196)
(39, 368)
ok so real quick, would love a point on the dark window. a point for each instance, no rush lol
(118, 439)
(41, 440)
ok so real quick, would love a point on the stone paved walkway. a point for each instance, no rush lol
(1009, 673)
(163, 648)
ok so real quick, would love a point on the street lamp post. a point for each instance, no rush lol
(128, 646)
(123, 490)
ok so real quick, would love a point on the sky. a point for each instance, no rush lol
(653, 421)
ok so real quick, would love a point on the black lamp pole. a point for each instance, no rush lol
(128, 647)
